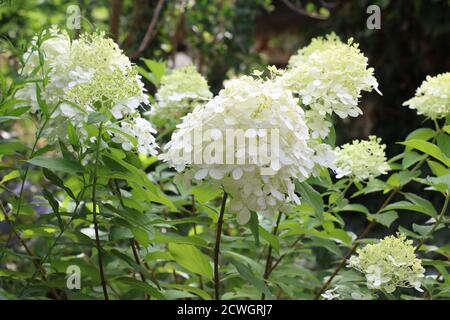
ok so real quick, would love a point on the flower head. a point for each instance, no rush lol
(432, 98)
(361, 159)
(389, 264)
(329, 76)
(255, 134)
(87, 75)
(180, 91)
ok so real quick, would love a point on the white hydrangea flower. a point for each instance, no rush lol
(432, 98)
(143, 131)
(329, 76)
(389, 264)
(331, 294)
(362, 159)
(180, 91)
(85, 75)
(255, 111)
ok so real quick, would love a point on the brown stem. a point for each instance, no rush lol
(152, 272)
(133, 243)
(34, 259)
(116, 10)
(217, 247)
(194, 211)
(302, 236)
(138, 261)
(269, 267)
(36, 263)
(302, 11)
(94, 211)
(438, 222)
(149, 34)
(277, 262)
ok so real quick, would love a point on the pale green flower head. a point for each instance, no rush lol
(102, 73)
(109, 88)
(361, 159)
(180, 91)
(84, 76)
(389, 264)
(432, 98)
(329, 76)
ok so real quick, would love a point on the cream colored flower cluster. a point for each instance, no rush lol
(389, 264)
(254, 142)
(180, 91)
(87, 75)
(432, 98)
(361, 159)
(329, 76)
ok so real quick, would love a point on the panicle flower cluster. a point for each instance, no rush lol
(260, 175)
(87, 75)
(329, 76)
(180, 91)
(361, 159)
(432, 98)
(389, 264)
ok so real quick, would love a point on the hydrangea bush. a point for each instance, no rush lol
(248, 196)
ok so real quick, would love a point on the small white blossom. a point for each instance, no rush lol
(432, 98)
(362, 159)
(180, 91)
(389, 264)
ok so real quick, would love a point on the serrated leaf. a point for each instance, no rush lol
(191, 258)
(429, 149)
(248, 275)
(57, 164)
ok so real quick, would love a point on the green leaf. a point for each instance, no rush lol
(310, 196)
(441, 183)
(205, 192)
(443, 142)
(410, 158)
(158, 69)
(421, 134)
(424, 203)
(270, 238)
(254, 226)
(96, 117)
(57, 182)
(356, 207)
(437, 168)
(142, 286)
(12, 175)
(385, 218)
(71, 132)
(446, 129)
(120, 233)
(429, 149)
(191, 258)
(57, 164)
(55, 206)
(248, 275)
(197, 291)
(174, 238)
(41, 102)
(408, 206)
